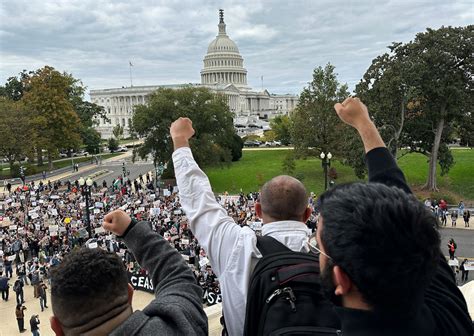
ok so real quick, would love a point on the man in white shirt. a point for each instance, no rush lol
(231, 249)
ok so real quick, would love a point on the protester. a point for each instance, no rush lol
(464, 271)
(20, 317)
(90, 291)
(232, 249)
(380, 250)
(18, 289)
(42, 295)
(34, 325)
(466, 215)
(452, 248)
(4, 287)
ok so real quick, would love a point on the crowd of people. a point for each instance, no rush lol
(441, 210)
(278, 274)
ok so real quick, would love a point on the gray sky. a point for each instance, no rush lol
(283, 41)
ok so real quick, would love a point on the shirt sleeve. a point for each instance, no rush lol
(216, 232)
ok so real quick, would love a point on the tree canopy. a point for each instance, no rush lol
(214, 139)
(315, 125)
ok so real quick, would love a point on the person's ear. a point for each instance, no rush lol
(342, 282)
(258, 209)
(130, 294)
(307, 213)
(56, 326)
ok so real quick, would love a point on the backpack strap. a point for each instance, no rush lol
(268, 245)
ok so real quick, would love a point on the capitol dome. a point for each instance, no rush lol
(223, 63)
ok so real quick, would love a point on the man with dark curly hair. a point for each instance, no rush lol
(90, 294)
(380, 255)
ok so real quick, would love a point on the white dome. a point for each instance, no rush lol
(223, 63)
(222, 43)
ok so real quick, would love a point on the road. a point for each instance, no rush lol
(463, 238)
(115, 170)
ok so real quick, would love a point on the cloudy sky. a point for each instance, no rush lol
(167, 40)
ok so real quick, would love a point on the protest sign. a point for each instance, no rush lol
(140, 282)
(99, 205)
(453, 263)
(203, 262)
(99, 230)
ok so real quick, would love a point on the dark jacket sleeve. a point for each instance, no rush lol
(178, 299)
(383, 169)
(443, 297)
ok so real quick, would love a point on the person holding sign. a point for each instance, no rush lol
(90, 293)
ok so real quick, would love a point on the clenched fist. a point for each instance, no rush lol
(181, 131)
(353, 112)
(117, 222)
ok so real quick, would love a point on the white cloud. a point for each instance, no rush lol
(167, 40)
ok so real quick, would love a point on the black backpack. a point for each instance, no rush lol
(285, 296)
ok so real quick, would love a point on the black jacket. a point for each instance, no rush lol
(444, 311)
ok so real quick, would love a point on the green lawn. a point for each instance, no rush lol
(256, 167)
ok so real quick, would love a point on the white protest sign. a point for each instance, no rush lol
(185, 241)
(13, 227)
(99, 230)
(53, 228)
(99, 205)
(166, 192)
(453, 263)
(34, 215)
(11, 258)
(54, 197)
(177, 212)
(141, 209)
(96, 211)
(469, 266)
(93, 245)
(175, 189)
(54, 212)
(203, 261)
(22, 197)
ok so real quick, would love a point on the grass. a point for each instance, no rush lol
(256, 167)
(56, 164)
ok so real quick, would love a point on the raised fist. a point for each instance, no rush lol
(353, 112)
(117, 222)
(182, 129)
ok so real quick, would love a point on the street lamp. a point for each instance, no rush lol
(85, 190)
(326, 163)
(158, 172)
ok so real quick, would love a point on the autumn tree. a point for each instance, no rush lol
(16, 131)
(57, 124)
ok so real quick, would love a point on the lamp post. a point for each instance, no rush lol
(85, 190)
(158, 172)
(326, 163)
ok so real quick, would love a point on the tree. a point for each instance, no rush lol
(118, 132)
(315, 125)
(113, 144)
(91, 139)
(57, 125)
(211, 118)
(281, 125)
(439, 71)
(16, 132)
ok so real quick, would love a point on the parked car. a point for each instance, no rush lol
(80, 153)
(122, 149)
(273, 144)
(63, 155)
(252, 143)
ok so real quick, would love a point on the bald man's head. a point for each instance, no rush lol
(284, 198)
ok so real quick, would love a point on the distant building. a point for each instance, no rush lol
(223, 73)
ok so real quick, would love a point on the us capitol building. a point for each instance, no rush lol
(223, 73)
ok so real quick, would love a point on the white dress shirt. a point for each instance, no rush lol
(231, 249)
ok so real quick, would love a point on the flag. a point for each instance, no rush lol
(130, 62)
